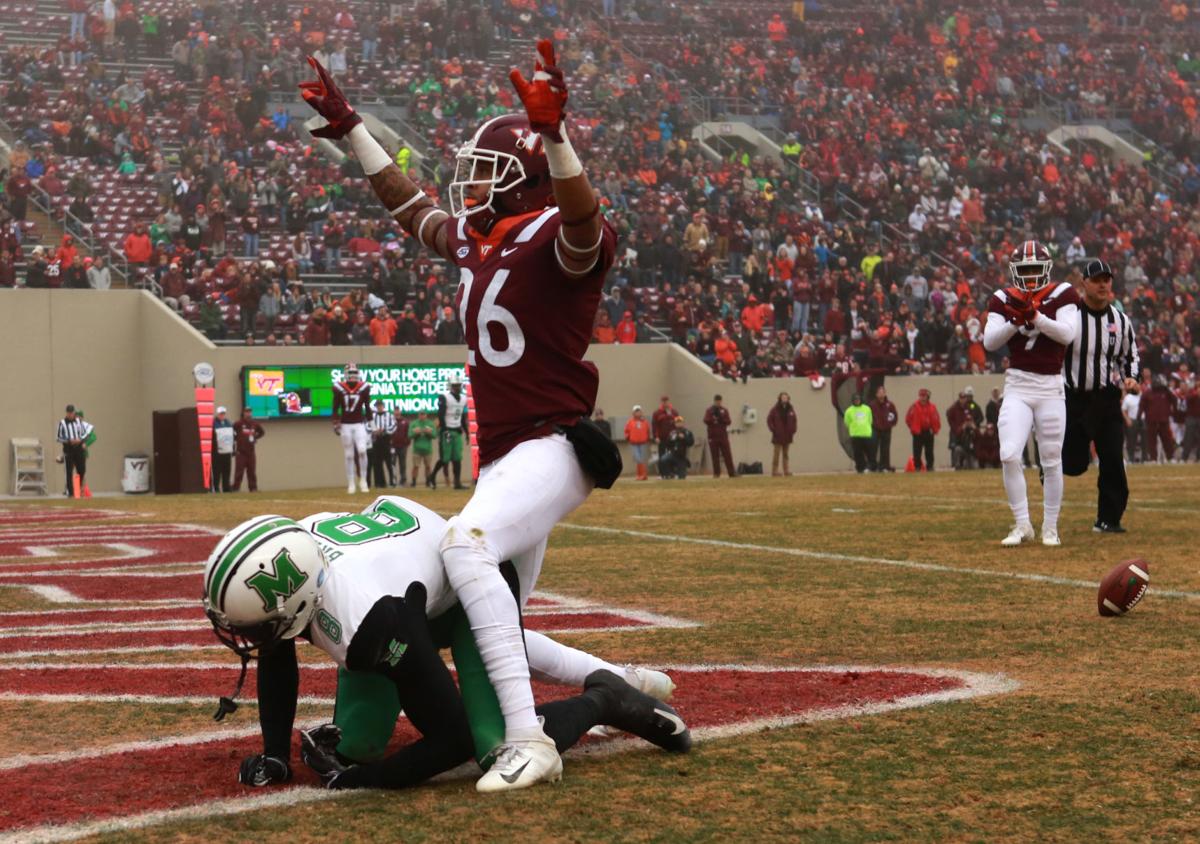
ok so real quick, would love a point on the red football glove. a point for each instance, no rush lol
(545, 98)
(1020, 310)
(328, 101)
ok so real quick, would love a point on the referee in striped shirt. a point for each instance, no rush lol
(72, 431)
(381, 426)
(1102, 359)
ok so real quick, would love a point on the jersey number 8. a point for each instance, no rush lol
(387, 520)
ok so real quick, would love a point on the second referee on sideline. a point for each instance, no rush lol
(1098, 364)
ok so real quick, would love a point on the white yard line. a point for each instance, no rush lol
(856, 558)
(973, 685)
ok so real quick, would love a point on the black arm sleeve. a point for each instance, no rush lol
(441, 413)
(426, 690)
(278, 685)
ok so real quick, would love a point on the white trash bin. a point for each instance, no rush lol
(135, 480)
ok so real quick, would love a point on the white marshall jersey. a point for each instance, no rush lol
(454, 408)
(371, 555)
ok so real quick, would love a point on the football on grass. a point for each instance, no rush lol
(1123, 587)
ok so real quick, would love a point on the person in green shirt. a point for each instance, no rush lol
(422, 432)
(860, 425)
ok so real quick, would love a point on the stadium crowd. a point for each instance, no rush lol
(907, 169)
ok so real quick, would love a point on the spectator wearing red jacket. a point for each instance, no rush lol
(835, 320)
(781, 422)
(717, 421)
(637, 434)
(884, 417)
(924, 423)
(752, 315)
(627, 329)
(1155, 410)
(138, 248)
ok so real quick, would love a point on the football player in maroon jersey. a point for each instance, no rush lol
(351, 407)
(532, 248)
(1036, 320)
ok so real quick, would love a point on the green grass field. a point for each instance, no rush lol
(1099, 742)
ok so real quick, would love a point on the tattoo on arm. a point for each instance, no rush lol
(412, 209)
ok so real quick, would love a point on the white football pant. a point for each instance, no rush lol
(517, 502)
(355, 442)
(1047, 415)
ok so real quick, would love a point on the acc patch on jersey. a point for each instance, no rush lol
(463, 251)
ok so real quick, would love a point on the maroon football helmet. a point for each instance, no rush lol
(1030, 265)
(507, 157)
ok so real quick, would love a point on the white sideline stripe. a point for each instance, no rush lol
(232, 806)
(182, 700)
(26, 760)
(124, 551)
(154, 570)
(219, 808)
(584, 605)
(879, 561)
(974, 685)
(1139, 572)
(884, 496)
(89, 628)
(132, 607)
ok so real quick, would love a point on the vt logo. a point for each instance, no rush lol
(484, 249)
(276, 586)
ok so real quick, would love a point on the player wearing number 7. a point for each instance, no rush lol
(532, 249)
(1036, 319)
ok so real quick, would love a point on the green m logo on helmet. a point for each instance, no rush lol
(276, 586)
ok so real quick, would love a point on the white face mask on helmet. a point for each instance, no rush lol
(262, 583)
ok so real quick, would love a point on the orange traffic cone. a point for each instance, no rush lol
(87, 493)
(909, 467)
(75, 486)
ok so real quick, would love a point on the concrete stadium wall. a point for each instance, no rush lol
(122, 354)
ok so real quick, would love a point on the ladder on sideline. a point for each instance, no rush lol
(28, 466)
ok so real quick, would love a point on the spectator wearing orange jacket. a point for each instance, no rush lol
(637, 434)
(138, 248)
(924, 423)
(752, 315)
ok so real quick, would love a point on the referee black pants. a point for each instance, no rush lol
(1095, 417)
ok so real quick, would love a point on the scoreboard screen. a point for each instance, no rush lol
(306, 392)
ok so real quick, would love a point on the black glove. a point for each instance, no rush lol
(318, 749)
(260, 770)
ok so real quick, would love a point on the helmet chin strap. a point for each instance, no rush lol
(227, 705)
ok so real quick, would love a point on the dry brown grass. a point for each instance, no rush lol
(1099, 742)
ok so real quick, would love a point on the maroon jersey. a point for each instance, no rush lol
(1029, 350)
(351, 405)
(527, 325)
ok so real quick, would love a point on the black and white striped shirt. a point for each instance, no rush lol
(1104, 352)
(72, 429)
(382, 422)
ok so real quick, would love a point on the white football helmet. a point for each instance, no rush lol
(262, 583)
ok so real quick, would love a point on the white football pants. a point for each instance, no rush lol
(355, 443)
(517, 502)
(1047, 416)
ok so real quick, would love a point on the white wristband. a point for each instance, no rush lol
(564, 163)
(370, 154)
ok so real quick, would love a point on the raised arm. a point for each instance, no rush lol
(416, 213)
(545, 100)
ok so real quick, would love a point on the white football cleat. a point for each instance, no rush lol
(1019, 534)
(522, 764)
(362, 485)
(648, 681)
(350, 489)
(1050, 537)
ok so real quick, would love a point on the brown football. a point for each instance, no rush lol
(1123, 587)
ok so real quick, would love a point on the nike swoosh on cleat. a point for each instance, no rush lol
(511, 778)
(506, 252)
(674, 719)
